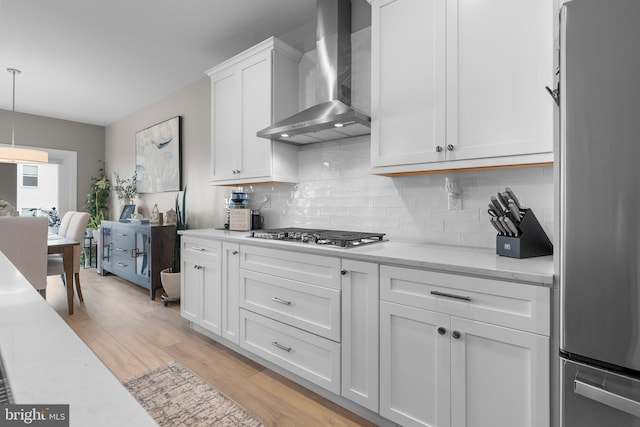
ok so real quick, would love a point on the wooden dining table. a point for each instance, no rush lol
(64, 245)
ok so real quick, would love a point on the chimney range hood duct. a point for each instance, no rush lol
(332, 118)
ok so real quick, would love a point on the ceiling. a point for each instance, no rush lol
(96, 61)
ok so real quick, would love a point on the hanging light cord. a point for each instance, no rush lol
(13, 110)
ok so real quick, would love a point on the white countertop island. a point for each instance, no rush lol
(47, 363)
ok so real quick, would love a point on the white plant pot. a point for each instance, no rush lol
(170, 283)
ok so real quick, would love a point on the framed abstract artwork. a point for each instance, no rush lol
(158, 157)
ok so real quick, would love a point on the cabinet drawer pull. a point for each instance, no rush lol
(280, 346)
(234, 252)
(122, 264)
(281, 301)
(197, 267)
(197, 248)
(456, 334)
(442, 330)
(443, 294)
(121, 249)
(121, 234)
(135, 253)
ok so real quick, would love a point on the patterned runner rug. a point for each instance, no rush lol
(174, 396)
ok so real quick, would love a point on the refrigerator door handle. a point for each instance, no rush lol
(607, 398)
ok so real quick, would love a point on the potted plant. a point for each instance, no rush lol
(97, 201)
(126, 189)
(170, 277)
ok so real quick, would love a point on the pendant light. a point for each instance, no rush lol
(15, 154)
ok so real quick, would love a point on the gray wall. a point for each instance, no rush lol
(193, 104)
(38, 131)
(9, 183)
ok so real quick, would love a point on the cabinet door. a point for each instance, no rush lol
(360, 333)
(225, 124)
(414, 366)
(105, 243)
(190, 291)
(230, 289)
(408, 81)
(211, 297)
(255, 93)
(142, 255)
(499, 376)
(499, 60)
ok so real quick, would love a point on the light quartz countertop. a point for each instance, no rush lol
(47, 363)
(452, 259)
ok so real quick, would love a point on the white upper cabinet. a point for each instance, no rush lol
(248, 93)
(461, 84)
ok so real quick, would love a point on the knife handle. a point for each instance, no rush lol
(501, 223)
(513, 197)
(512, 227)
(498, 207)
(498, 225)
(492, 221)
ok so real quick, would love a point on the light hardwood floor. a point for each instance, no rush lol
(132, 334)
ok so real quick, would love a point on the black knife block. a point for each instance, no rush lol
(531, 242)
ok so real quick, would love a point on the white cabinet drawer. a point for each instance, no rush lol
(206, 251)
(313, 308)
(311, 357)
(515, 305)
(314, 269)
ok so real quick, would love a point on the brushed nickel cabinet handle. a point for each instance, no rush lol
(280, 346)
(198, 248)
(446, 295)
(281, 301)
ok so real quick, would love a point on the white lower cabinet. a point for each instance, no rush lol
(440, 370)
(499, 376)
(201, 292)
(309, 356)
(418, 347)
(360, 344)
(414, 366)
(230, 291)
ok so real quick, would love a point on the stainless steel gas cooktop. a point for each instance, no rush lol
(342, 239)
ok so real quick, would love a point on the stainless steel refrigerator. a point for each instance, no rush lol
(598, 160)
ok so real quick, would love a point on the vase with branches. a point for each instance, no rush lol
(125, 189)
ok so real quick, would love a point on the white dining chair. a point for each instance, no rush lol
(64, 223)
(75, 231)
(23, 239)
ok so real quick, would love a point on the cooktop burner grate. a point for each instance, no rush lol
(344, 239)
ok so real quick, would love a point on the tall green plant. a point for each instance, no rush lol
(181, 224)
(97, 199)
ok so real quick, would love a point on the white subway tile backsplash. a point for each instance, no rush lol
(336, 191)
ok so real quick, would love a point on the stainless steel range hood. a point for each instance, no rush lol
(333, 117)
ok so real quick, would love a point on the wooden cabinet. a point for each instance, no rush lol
(200, 287)
(462, 351)
(136, 252)
(467, 90)
(360, 320)
(249, 92)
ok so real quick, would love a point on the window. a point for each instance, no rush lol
(29, 176)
